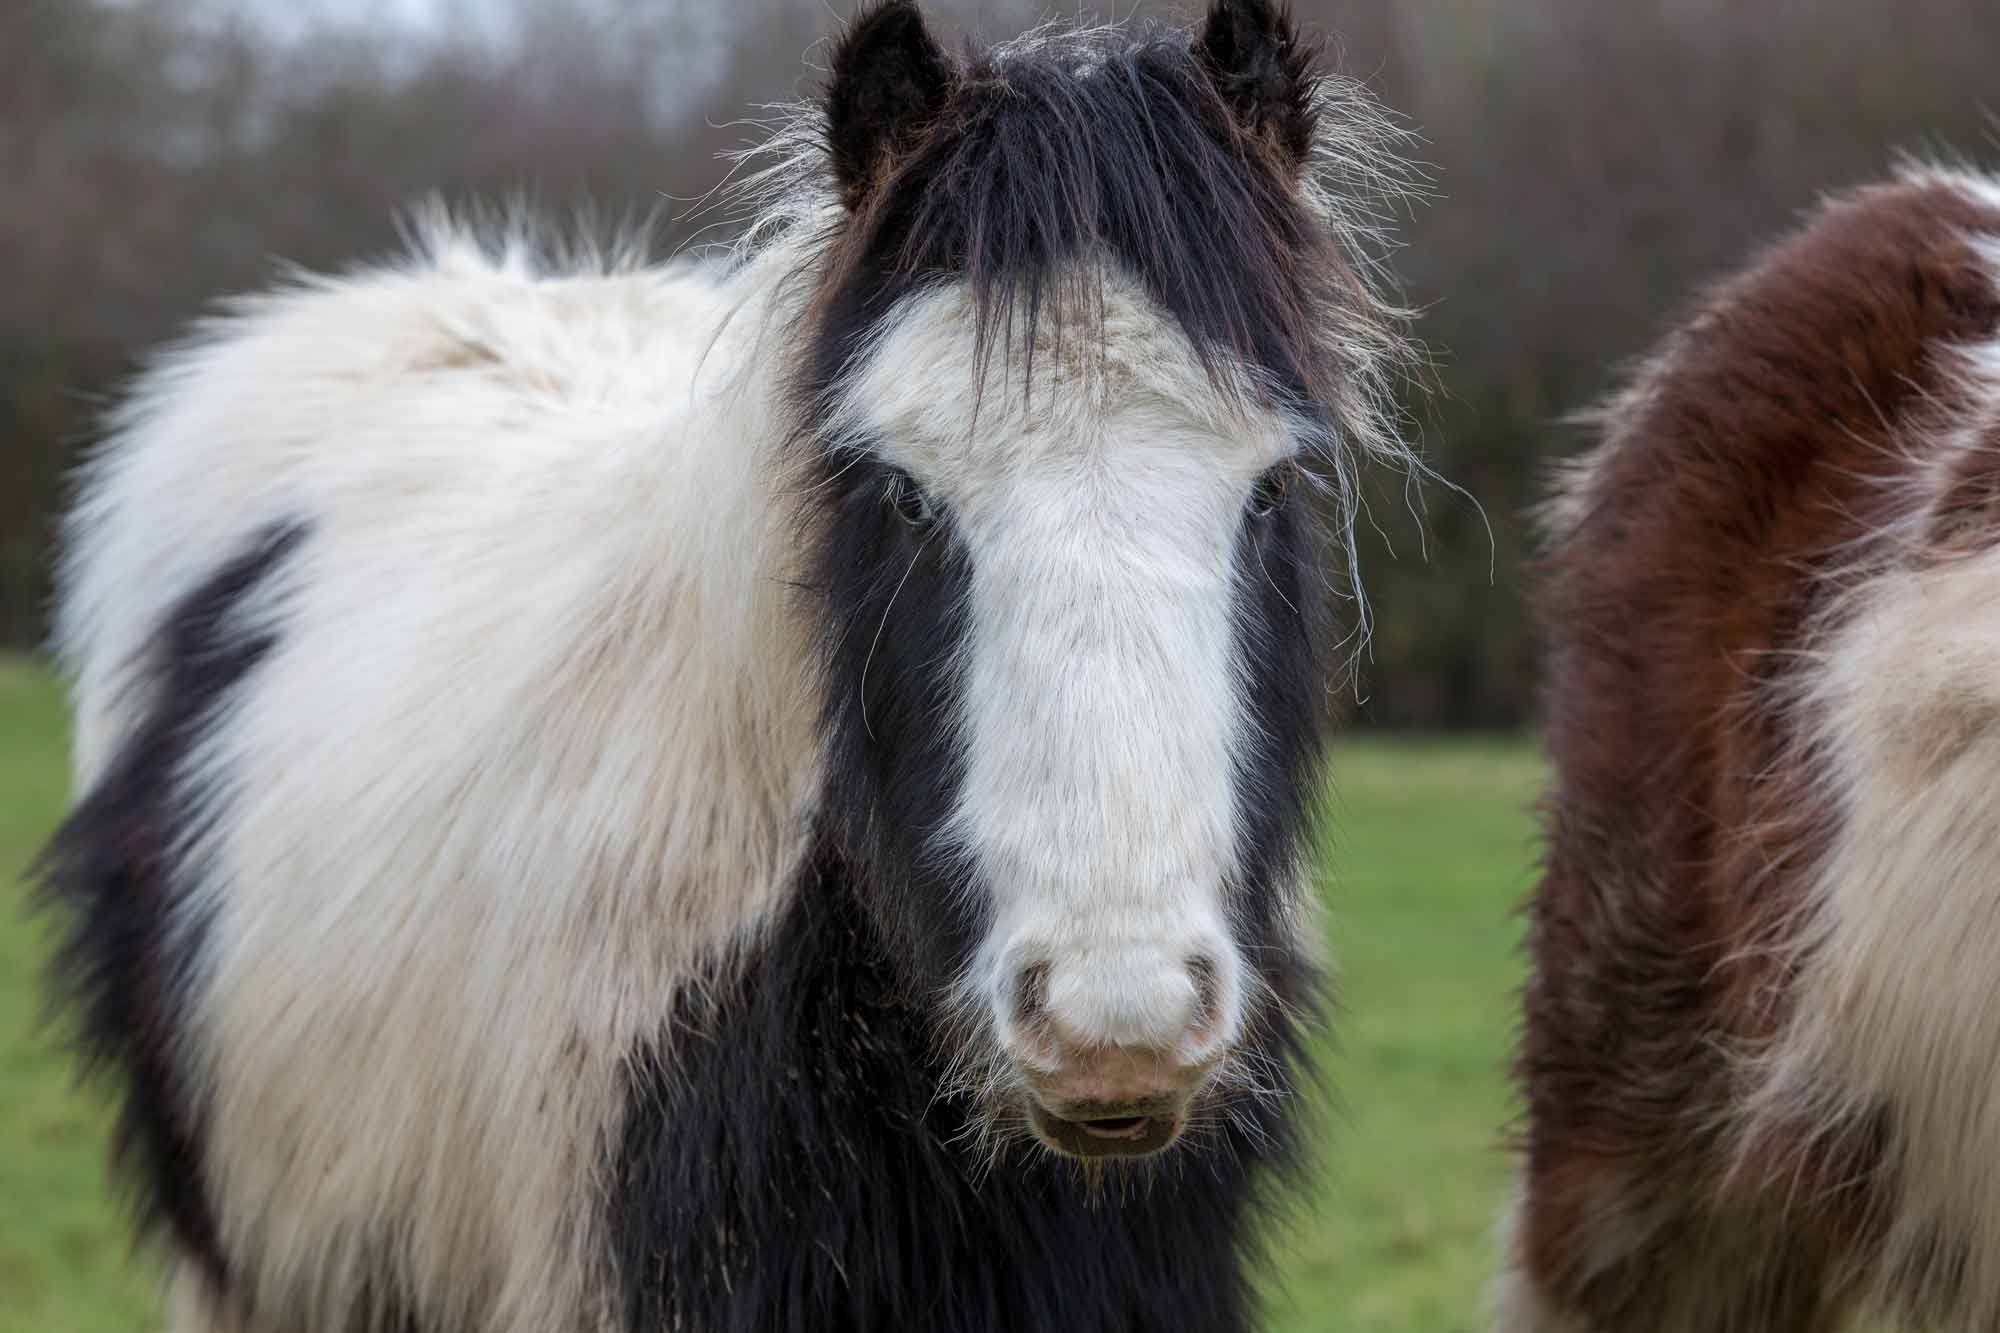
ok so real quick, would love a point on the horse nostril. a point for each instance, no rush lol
(1031, 995)
(1207, 991)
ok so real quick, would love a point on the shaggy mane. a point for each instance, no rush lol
(1073, 146)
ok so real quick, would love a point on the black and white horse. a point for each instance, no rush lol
(718, 795)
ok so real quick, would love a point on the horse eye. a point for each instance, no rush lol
(1271, 490)
(910, 502)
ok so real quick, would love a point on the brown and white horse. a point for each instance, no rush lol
(1762, 1047)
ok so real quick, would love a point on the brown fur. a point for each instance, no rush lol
(1769, 449)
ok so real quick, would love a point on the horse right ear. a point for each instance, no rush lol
(890, 82)
(1264, 69)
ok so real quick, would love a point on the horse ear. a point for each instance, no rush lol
(890, 81)
(1252, 49)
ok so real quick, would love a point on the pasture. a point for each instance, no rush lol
(1428, 846)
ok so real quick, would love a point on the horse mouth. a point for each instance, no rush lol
(1110, 1135)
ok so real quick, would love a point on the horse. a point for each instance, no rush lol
(759, 790)
(1760, 1059)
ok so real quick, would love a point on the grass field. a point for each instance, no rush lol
(1429, 846)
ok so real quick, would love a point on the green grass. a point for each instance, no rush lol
(1429, 846)
(66, 1265)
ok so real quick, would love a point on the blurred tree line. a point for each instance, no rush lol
(1592, 164)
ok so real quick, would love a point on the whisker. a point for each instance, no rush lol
(877, 641)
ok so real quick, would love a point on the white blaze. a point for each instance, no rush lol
(1102, 706)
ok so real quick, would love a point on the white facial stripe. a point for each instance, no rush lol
(1102, 715)
(1103, 711)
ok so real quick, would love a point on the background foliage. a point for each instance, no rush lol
(1592, 162)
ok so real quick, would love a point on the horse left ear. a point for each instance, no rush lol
(1252, 49)
(890, 81)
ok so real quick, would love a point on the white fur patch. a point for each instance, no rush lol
(533, 741)
(1896, 1006)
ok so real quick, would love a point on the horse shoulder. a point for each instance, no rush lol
(522, 748)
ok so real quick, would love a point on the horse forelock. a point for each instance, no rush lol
(1075, 147)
